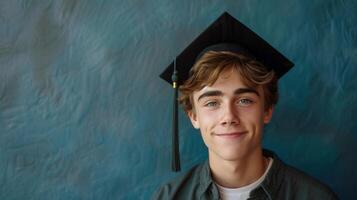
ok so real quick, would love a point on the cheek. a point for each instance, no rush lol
(252, 116)
(207, 120)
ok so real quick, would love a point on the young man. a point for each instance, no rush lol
(229, 95)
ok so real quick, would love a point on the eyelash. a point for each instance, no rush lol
(247, 103)
(209, 104)
(239, 102)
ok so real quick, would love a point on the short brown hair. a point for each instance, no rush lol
(208, 68)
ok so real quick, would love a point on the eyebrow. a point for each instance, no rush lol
(220, 93)
(246, 90)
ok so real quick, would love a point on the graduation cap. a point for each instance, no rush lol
(224, 34)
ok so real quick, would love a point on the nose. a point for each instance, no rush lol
(230, 115)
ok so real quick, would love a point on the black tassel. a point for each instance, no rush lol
(175, 165)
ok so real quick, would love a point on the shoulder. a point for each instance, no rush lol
(300, 184)
(185, 185)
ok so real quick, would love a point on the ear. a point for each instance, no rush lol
(193, 117)
(268, 115)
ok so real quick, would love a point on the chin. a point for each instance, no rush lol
(231, 154)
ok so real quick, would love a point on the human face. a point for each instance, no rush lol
(230, 116)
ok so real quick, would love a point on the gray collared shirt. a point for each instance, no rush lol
(281, 182)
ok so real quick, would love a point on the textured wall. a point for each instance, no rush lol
(83, 114)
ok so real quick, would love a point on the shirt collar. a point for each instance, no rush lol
(207, 186)
(272, 181)
(268, 187)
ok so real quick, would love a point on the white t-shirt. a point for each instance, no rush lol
(242, 193)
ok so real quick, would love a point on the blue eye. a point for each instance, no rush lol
(245, 102)
(211, 104)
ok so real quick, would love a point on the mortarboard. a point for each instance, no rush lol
(224, 34)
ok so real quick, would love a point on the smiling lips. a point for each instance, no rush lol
(231, 135)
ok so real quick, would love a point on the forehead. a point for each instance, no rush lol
(228, 82)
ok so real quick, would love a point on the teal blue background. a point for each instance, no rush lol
(83, 114)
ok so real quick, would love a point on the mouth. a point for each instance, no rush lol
(231, 135)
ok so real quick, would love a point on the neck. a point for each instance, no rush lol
(239, 172)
